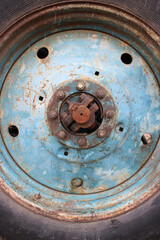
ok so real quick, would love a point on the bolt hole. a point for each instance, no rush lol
(41, 98)
(146, 138)
(121, 129)
(126, 58)
(66, 153)
(77, 182)
(13, 131)
(96, 73)
(42, 53)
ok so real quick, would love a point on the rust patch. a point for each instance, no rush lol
(81, 113)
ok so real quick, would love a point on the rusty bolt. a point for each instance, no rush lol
(77, 182)
(146, 138)
(109, 114)
(100, 93)
(37, 195)
(53, 114)
(101, 133)
(61, 95)
(82, 142)
(62, 134)
(81, 86)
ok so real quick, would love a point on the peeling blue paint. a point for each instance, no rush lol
(77, 55)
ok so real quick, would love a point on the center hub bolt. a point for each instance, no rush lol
(109, 114)
(82, 142)
(62, 134)
(53, 114)
(81, 114)
(100, 93)
(81, 86)
(101, 133)
(61, 95)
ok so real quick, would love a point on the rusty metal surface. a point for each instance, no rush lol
(72, 122)
(35, 188)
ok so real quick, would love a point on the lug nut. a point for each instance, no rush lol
(109, 114)
(53, 114)
(146, 138)
(81, 86)
(62, 134)
(100, 93)
(82, 142)
(77, 182)
(101, 133)
(61, 95)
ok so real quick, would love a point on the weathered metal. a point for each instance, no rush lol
(101, 133)
(38, 196)
(82, 141)
(77, 182)
(71, 108)
(53, 114)
(81, 86)
(81, 115)
(62, 134)
(61, 95)
(100, 93)
(121, 172)
(109, 114)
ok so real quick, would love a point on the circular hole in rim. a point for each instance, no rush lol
(65, 153)
(77, 182)
(13, 131)
(126, 58)
(42, 53)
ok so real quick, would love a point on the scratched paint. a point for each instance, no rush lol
(121, 165)
(38, 152)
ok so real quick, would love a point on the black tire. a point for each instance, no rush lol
(17, 222)
(149, 11)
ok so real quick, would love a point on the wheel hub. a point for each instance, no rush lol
(80, 114)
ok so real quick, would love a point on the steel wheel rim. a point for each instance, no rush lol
(41, 203)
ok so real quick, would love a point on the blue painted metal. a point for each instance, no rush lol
(40, 164)
(77, 55)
